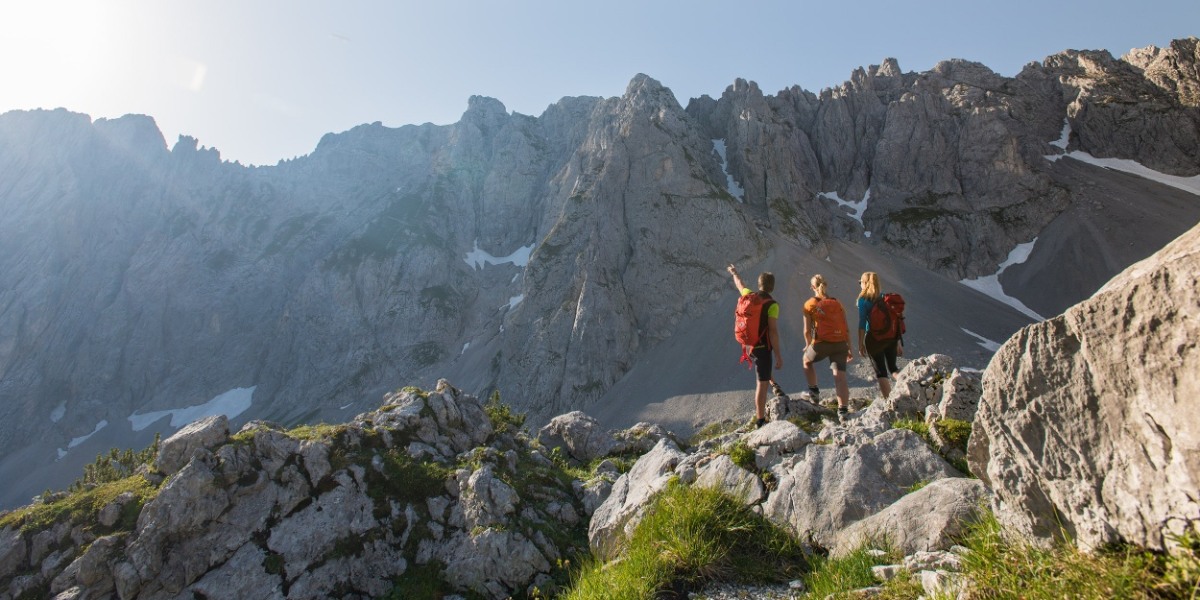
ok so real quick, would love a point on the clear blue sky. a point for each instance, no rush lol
(262, 80)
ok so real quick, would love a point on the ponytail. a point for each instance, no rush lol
(818, 284)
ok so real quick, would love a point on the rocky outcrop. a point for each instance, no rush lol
(1086, 426)
(425, 482)
(848, 485)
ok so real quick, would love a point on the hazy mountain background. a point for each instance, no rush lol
(573, 260)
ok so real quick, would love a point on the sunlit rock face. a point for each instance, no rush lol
(1086, 427)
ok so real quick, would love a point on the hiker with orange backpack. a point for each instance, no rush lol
(755, 327)
(826, 336)
(880, 329)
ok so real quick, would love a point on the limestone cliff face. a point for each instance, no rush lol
(1085, 427)
(544, 256)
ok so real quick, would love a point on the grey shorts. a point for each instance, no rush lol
(836, 352)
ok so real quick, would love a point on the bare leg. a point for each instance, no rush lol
(760, 399)
(885, 386)
(810, 373)
(842, 387)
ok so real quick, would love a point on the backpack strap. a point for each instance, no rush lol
(764, 326)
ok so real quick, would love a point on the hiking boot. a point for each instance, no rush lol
(778, 391)
(811, 398)
(843, 414)
(760, 423)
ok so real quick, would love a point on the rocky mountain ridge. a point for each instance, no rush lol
(140, 279)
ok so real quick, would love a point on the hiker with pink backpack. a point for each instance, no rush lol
(880, 329)
(755, 327)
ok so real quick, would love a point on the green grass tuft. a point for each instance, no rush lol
(832, 576)
(504, 419)
(688, 537)
(1000, 566)
(84, 507)
(743, 456)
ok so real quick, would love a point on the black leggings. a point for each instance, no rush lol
(883, 357)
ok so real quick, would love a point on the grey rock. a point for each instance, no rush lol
(485, 499)
(242, 576)
(774, 440)
(942, 584)
(930, 518)
(620, 513)
(933, 561)
(1072, 439)
(580, 436)
(834, 486)
(723, 475)
(886, 572)
(45, 541)
(639, 439)
(492, 563)
(111, 512)
(960, 396)
(204, 434)
(312, 532)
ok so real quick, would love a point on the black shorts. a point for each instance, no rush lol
(762, 362)
(883, 357)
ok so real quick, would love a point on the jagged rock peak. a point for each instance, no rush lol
(135, 133)
(645, 88)
(1175, 69)
(188, 146)
(741, 86)
(484, 109)
(889, 68)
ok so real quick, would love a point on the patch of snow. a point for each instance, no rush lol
(989, 345)
(344, 407)
(856, 208)
(478, 258)
(81, 439)
(231, 404)
(515, 278)
(866, 234)
(734, 188)
(514, 301)
(58, 413)
(990, 285)
(1187, 184)
(464, 350)
(1063, 139)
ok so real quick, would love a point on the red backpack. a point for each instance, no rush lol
(750, 321)
(830, 320)
(886, 318)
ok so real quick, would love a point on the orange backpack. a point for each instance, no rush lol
(830, 320)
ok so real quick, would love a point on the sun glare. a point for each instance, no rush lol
(54, 50)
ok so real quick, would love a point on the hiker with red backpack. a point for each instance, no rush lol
(826, 335)
(755, 327)
(880, 329)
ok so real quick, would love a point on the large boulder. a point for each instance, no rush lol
(631, 494)
(1087, 425)
(831, 486)
(203, 434)
(930, 518)
(579, 435)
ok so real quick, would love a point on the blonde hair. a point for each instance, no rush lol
(871, 290)
(819, 286)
